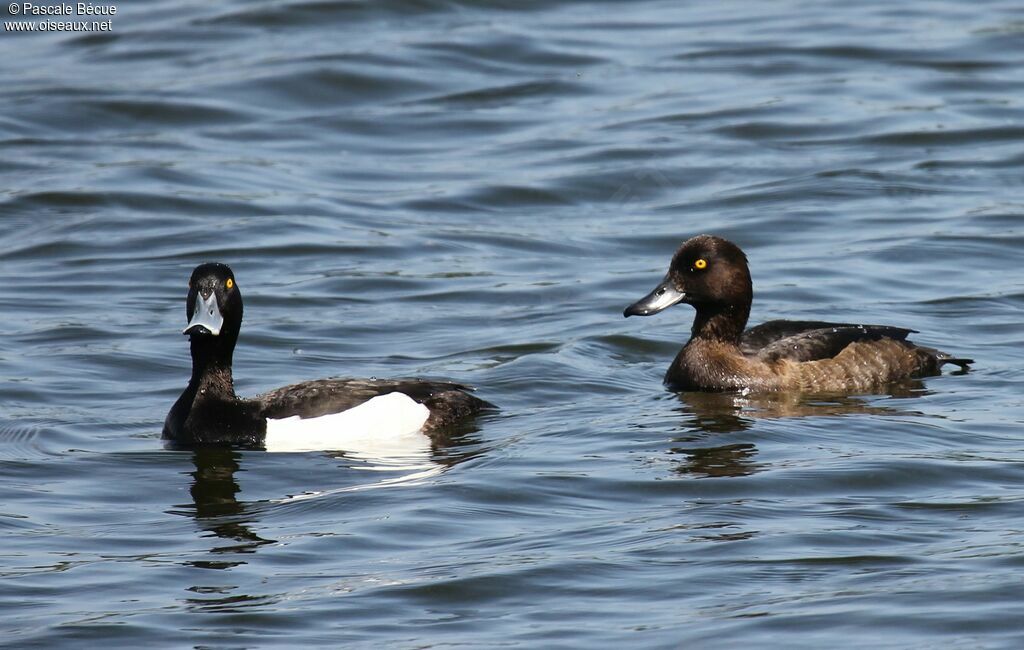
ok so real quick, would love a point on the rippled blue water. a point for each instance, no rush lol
(475, 190)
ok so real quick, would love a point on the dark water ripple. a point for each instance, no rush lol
(475, 189)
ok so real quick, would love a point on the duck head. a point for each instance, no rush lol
(707, 272)
(214, 310)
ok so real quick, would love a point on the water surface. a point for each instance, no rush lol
(475, 190)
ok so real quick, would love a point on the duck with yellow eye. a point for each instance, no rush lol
(323, 414)
(711, 274)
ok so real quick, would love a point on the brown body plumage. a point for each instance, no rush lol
(711, 274)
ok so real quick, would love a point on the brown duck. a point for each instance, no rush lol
(711, 274)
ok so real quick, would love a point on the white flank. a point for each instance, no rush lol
(385, 427)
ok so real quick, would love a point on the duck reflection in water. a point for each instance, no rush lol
(215, 488)
(216, 507)
(706, 416)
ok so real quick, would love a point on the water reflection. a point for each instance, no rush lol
(711, 462)
(706, 415)
(228, 602)
(215, 488)
(218, 509)
(728, 412)
(216, 506)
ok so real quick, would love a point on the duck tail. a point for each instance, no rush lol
(942, 359)
(956, 361)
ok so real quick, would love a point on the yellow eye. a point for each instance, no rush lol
(700, 264)
(230, 283)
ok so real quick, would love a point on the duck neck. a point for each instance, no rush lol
(211, 367)
(722, 323)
